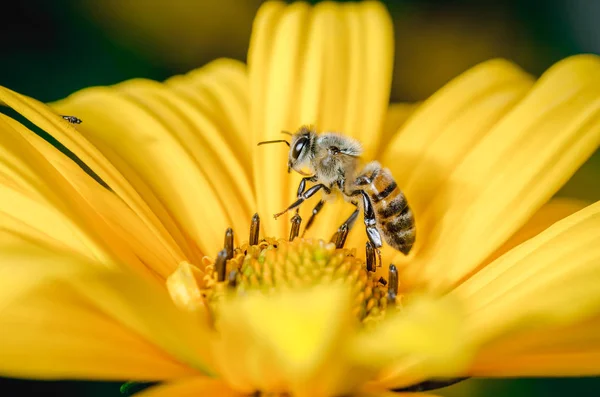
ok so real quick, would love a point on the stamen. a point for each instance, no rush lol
(393, 284)
(334, 238)
(295, 230)
(339, 238)
(254, 229)
(229, 243)
(221, 264)
(382, 281)
(370, 257)
(232, 279)
(344, 230)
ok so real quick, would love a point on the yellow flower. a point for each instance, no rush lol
(104, 274)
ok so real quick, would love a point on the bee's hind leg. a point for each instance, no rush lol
(371, 226)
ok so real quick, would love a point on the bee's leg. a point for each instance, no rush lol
(304, 196)
(315, 211)
(371, 226)
(339, 238)
(370, 257)
(302, 187)
(302, 184)
(351, 219)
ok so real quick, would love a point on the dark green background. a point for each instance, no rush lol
(52, 48)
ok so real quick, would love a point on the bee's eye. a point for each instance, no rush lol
(298, 148)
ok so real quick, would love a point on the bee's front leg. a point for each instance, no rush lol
(304, 196)
(302, 185)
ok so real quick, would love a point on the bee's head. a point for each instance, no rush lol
(300, 148)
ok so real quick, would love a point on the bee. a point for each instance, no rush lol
(335, 167)
(72, 119)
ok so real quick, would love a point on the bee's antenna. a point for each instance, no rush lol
(275, 141)
(287, 133)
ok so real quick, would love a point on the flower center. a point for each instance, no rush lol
(269, 265)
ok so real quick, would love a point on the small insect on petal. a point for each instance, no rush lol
(72, 119)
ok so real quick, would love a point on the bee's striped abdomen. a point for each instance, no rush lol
(395, 220)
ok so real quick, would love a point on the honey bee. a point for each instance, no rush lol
(335, 167)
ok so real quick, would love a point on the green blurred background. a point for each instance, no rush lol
(52, 48)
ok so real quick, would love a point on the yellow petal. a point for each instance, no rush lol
(561, 351)
(190, 387)
(396, 116)
(515, 165)
(184, 291)
(552, 212)
(157, 163)
(547, 284)
(205, 144)
(434, 141)
(49, 331)
(220, 91)
(95, 211)
(86, 153)
(330, 66)
(149, 311)
(38, 202)
(371, 54)
(427, 339)
(25, 217)
(78, 195)
(294, 337)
